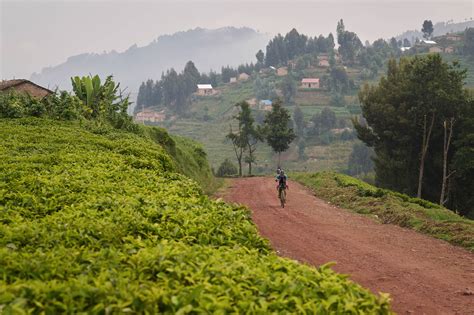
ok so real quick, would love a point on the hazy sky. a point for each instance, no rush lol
(36, 34)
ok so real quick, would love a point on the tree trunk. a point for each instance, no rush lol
(240, 167)
(250, 168)
(424, 150)
(446, 143)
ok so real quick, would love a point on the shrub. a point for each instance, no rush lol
(227, 168)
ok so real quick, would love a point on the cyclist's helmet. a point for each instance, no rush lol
(282, 172)
(278, 170)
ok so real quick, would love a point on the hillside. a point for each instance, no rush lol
(209, 49)
(439, 29)
(216, 113)
(99, 221)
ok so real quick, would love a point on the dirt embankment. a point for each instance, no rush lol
(423, 275)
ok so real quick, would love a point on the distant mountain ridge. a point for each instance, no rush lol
(208, 49)
(439, 29)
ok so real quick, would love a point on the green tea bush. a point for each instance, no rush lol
(104, 223)
(227, 168)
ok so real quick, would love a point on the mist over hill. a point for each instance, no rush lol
(209, 49)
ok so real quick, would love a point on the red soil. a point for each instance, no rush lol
(423, 275)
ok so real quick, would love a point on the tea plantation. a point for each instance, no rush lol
(103, 223)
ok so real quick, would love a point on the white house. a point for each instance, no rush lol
(205, 89)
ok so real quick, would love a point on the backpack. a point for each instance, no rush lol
(282, 181)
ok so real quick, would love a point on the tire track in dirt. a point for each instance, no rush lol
(423, 275)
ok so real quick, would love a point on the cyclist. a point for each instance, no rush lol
(281, 178)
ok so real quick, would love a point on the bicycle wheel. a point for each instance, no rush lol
(283, 198)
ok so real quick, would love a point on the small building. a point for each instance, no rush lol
(428, 42)
(25, 87)
(449, 50)
(436, 49)
(282, 71)
(310, 83)
(150, 116)
(252, 102)
(243, 76)
(405, 48)
(265, 105)
(233, 80)
(454, 37)
(205, 89)
(323, 63)
(323, 57)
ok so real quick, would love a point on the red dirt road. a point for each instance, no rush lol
(423, 275)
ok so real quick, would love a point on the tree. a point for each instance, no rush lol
(469, 41)
(227, 168)
(448, 135)
(277, 131)
(288, 88)
(238, 144)
(461, 196)
(249, 134)
(402, 115)
(360, 160)
(324, 121)
(406, 43)
(349, 43)
(298, 118)
(427, 29)
(260, 57)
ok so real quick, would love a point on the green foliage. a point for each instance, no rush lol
(413, 90)
(349, 44)
(427, 28)
(104, 224)
(360, 160)
(60, 106)
(469, 42)
(227, 168)
(391, 207)
(288, 88)
(277, 131)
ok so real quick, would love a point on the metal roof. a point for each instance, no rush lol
(204, 86)
(310, 80)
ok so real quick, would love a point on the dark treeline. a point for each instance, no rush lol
(173, 90)
(419, 121)
(281, 49)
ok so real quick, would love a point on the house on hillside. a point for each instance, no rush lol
(233, 80)
(323, 63)
(436, 49)
(323, 57)
(243, 76)
(428, 42)
(25, 87)
(449, 50)
(282, 71)
(150, 116)
(252, 102)
(205, 89)
(265, 105)
(310, 83)
(454, 37)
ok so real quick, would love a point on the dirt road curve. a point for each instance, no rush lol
(422, 274)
